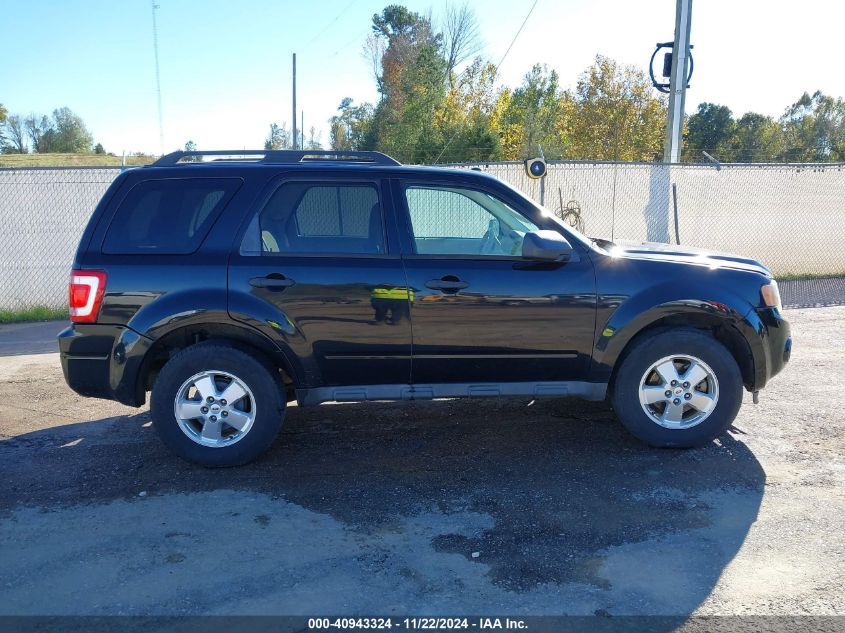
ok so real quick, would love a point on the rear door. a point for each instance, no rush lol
(319, 270)
(480, 311)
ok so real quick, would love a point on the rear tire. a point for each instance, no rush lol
(215, 431)
(664, 408)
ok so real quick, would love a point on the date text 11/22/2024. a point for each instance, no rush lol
(422, 623)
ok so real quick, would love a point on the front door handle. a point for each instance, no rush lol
(273, 280)
(449, 283)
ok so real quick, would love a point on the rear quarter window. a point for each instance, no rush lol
(167, 217)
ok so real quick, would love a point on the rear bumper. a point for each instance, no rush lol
(772, 344)
(104, 361)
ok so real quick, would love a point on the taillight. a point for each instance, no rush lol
(86, 294)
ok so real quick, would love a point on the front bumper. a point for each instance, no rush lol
(772, 346)
(104, 361)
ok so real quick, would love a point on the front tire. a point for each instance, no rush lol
(677, 388)
(216, 405)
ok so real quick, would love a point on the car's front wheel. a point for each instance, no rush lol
(677, 388)
(216, 405)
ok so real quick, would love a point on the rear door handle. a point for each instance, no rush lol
(449, 283)
(273, 280)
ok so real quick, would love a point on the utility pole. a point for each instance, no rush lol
(293, 135)
(678, 82)
(158, 81)
(302, 130)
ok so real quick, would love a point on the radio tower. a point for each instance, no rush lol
(158, 81)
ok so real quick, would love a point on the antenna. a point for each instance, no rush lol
(158, 80)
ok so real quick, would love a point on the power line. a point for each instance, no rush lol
(326, 28)
(501, 61)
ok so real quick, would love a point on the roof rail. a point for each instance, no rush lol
(284, 157)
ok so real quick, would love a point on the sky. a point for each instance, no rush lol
(226, 64)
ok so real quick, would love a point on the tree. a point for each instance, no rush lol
(40, 132)
(535, 114)
(70, 134)
(99, 149)
(279, 137)
(3, 114)
(190, 146)
(710, 129)
(814, 129)
(466, 119)
(756, 138)
(412, 84)
(313, 141)
(14, 135)
(348, 129)
(616, 115)
(63, 132)
(461, 37)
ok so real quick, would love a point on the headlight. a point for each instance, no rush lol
(771, 295)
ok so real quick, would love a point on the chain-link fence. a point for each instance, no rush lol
(788, 216)
(44, 212)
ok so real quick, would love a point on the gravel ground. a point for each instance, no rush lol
(484, 506)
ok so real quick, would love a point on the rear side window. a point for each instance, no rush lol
(318, 218)
(167, 217)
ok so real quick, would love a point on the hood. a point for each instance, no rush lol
(656, 251)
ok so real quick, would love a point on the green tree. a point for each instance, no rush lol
(190, 146)
(616, 115)
(710, 129)
(756, 138)
(3, 114)
(466, 118)
(534, 114)
(279, 137)
(99, 149)
(348, 129)
(71, 134)
(814, 129)
(411, 81)
(64, 132)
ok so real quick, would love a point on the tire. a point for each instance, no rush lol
(242, 429)
(662, 425)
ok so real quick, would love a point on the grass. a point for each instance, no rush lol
(35, 313)
(70, 160)
(806, 276)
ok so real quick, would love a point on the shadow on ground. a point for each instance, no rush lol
(569, 514)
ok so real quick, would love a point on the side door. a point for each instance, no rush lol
(319, 271)
(480, 311)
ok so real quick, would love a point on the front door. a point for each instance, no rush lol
(481, 312)
(319, 271)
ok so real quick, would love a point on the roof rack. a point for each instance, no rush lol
(283, 157)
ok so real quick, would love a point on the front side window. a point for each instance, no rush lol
(458, 221)
(318, 218)
(167, 217)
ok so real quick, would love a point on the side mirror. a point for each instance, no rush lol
(546, 245)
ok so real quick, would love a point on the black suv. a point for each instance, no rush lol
(232, 285)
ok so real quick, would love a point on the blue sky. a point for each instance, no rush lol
(225, 64)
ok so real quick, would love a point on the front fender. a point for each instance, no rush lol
(621, 319)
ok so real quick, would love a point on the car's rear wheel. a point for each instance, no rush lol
(677, 388)
(217, 405)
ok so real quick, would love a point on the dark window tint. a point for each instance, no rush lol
(319, 218)
(167, 217)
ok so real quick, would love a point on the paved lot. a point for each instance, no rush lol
(482, 507)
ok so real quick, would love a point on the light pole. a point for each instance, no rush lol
(678, 82)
